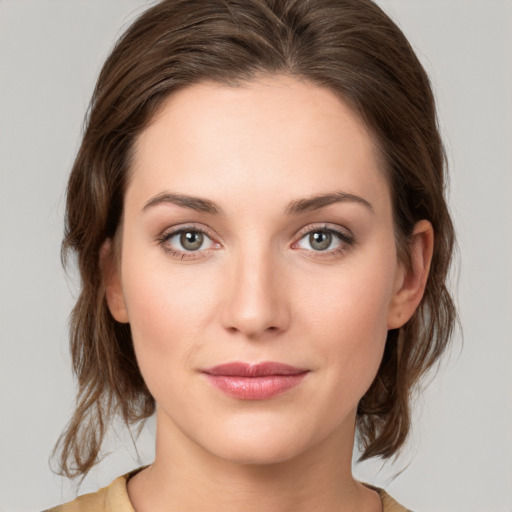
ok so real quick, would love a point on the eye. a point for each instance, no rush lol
(325, 240)
(189, 240)
(186, 240)
(319, 240)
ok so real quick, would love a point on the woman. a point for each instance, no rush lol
(258, 213)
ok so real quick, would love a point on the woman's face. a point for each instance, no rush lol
(257, 228)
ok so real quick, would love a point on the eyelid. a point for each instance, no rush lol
(172, 231)
(343, 232)
(345, 236)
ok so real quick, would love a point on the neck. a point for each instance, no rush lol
(186, 477)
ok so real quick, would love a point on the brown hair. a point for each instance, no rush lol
(348, 46)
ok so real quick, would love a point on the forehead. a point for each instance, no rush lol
(278, 138)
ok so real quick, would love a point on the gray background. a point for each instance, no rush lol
(460, 456)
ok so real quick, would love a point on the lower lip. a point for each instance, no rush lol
(255, 388)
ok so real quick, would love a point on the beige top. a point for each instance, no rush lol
(114, 498)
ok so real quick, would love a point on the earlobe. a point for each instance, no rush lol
(112, 282)
(411, 281)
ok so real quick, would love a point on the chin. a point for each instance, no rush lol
(257, 443)
(258, 452)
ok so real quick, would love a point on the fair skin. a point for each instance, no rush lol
(263, 276)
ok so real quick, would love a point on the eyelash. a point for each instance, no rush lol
(346, 239)
(183, 254)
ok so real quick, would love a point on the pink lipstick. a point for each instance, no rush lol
(254, 381)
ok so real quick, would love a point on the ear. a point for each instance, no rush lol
(112, 282)
(410, 281)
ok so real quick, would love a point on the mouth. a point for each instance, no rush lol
(254, 381)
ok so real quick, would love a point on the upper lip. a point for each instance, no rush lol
(240, 369)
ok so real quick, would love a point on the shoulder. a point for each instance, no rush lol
(389, 504)
(113, 498)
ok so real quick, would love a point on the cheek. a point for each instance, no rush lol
(348, 321)
(164, 310)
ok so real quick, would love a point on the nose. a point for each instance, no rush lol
(256, 304)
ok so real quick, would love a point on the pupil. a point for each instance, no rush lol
(320, 240)
(191, 240)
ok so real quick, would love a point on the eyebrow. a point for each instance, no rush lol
(322, 200)
(294, 207)
(194, 203)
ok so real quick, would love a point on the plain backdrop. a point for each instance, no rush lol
(460, 456)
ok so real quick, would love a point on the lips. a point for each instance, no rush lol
(254, 381)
